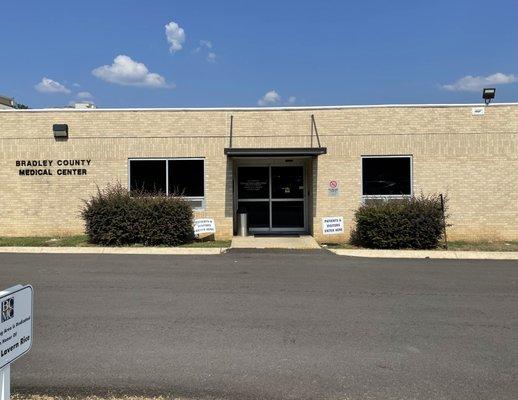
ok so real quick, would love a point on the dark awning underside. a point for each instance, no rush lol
(276, 152)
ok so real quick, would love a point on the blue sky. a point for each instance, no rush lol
(249, 53)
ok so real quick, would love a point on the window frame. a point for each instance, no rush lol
(167, 159)
(388, 196)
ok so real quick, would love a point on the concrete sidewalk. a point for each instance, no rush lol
(117, 250)
(250, 242)
(442, 254)
(304, 242)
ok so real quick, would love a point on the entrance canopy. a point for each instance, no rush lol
(275, 152)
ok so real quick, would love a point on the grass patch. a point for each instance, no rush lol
(208, 243)
(45, 241)
(483, 246)
(82, 240)
(339, 246)
(452, 246)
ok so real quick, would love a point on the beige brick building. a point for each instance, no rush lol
(288, 167)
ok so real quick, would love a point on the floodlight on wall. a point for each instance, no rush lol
(60, 130)
(488, 94)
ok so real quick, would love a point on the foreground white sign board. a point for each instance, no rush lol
(15, 331)
(332, 225)
(15, 323)
(204, 225)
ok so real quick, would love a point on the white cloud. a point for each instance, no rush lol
(475, 83)
(211, 57)
(206, 46)
(175, 36)
(125, 71)
(291, 100)
(48, 85)
(206, 43)
(269, 99)
(203, 45)
(273, 98)
(85, 95)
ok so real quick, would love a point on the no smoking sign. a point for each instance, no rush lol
(332, 189)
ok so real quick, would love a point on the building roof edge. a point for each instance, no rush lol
(299, 108)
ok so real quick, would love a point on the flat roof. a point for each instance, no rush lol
(299, 108)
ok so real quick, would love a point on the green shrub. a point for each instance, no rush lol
(415, 223)
(113, 217)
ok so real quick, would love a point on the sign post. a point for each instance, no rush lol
(5, 382)
(15, 331)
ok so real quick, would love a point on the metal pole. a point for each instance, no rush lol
(311, 130)
(444, 222)
(314, 126)
(231, 129)
(5, 383)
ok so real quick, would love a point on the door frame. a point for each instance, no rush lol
(274, 162)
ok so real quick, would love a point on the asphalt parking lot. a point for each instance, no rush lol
(269, 325)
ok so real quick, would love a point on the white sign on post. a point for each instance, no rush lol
(204, 225)
(333, 225)
(15, 331)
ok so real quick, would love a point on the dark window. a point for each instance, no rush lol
(258, 213)
(186, 178)
(288, 214)
(384, 176)
(287, 182)
(181, 177)
(253, 183)
(148, 176)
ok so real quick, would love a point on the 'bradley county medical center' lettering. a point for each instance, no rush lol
(46, 167)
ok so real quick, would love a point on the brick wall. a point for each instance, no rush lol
(474, 160)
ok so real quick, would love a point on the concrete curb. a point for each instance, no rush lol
(437, 254)
(117, 250)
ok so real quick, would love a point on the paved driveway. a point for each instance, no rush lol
(270, 325)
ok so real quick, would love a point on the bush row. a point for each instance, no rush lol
(114, 217)
(415, 223)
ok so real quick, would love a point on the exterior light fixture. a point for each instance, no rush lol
(488, 94)
(60, 130)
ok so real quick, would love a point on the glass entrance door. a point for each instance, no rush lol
(273, 197)
(287, 197)
(253, 193)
